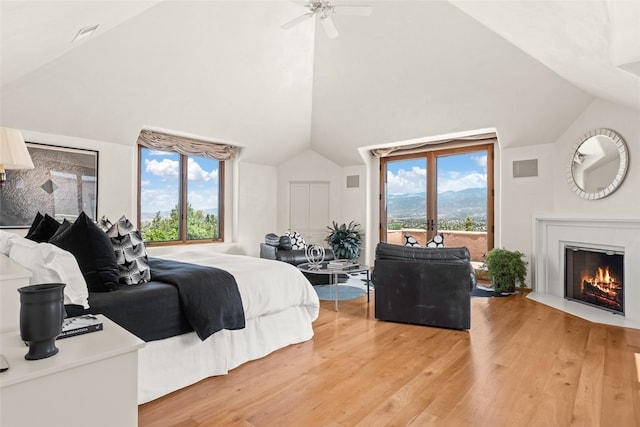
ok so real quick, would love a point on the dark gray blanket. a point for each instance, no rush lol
(209, 296)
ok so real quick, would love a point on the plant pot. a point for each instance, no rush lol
(41, 315)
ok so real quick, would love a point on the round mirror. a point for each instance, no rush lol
(597, 164)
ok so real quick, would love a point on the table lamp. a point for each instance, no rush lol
(13, 152)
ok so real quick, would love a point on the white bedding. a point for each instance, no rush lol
(280, 306)
(265, 286)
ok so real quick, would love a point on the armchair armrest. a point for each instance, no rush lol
(267, 251)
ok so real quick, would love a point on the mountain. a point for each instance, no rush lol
(470, 202)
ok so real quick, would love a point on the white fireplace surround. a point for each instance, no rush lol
(553, 233)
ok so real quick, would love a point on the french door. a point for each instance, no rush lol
(448, 192)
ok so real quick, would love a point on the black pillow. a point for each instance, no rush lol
(93, 251)
(63, 227)
(285, 243)
(44, 230)
(39, 217)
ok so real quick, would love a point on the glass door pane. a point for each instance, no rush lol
(405, 201)
(159, 195)
(202, 198)
(462, 200)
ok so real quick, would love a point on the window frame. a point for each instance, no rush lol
(183, 201)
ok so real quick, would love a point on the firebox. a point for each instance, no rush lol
(595, 277)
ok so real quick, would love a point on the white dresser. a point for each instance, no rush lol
(92, 381)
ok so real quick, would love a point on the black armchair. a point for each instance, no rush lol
(424, 286)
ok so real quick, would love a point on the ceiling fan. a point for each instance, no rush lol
(324, 9)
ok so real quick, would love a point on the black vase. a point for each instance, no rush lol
(41, 315)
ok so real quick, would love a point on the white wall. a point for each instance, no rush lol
(117, 171)
(548, 193)
(354, 201)
(250, 199)
(257, 206)
(520, 198)
(308, 166)
(258, 200)
(623, 202)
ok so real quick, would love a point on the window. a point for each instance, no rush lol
(181, 188)
(445, 191)
(180, 197)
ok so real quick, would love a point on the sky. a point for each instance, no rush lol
(160, 181)
(455, 173)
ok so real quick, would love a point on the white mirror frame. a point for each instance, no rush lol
(622, 167)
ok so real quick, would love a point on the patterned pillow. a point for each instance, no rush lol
(409, 240)
(436, 242)
(104, 223)
(130, 252)
(272, 239)
(297, 241)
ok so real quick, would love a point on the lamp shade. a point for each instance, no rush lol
(13, 151)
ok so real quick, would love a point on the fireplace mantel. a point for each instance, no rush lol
(553, 232)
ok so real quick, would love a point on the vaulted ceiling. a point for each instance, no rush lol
(226, 71)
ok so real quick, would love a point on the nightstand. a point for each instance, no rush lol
(92, 381)
(12, 277)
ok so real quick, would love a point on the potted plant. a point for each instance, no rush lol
(345, 240)
(505, 267)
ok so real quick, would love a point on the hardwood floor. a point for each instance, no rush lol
(521, 364)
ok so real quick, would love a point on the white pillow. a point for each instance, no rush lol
(5, 241)
(50, 264)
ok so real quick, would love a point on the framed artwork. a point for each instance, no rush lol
(63, 183)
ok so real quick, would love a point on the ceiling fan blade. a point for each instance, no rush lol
(352, 10)
(296, 21)
(329, 27)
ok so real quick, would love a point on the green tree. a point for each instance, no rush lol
(468, 224)
(165, 229)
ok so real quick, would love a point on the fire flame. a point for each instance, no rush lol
(602, 280)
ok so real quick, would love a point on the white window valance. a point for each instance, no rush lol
(418, 147)
(188, 146)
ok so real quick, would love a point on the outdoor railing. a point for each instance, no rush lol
(475, 241)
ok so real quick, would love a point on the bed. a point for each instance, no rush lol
(278, 307)
(279, 304)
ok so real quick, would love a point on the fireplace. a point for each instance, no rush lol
(553, 233)
(595, 277)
